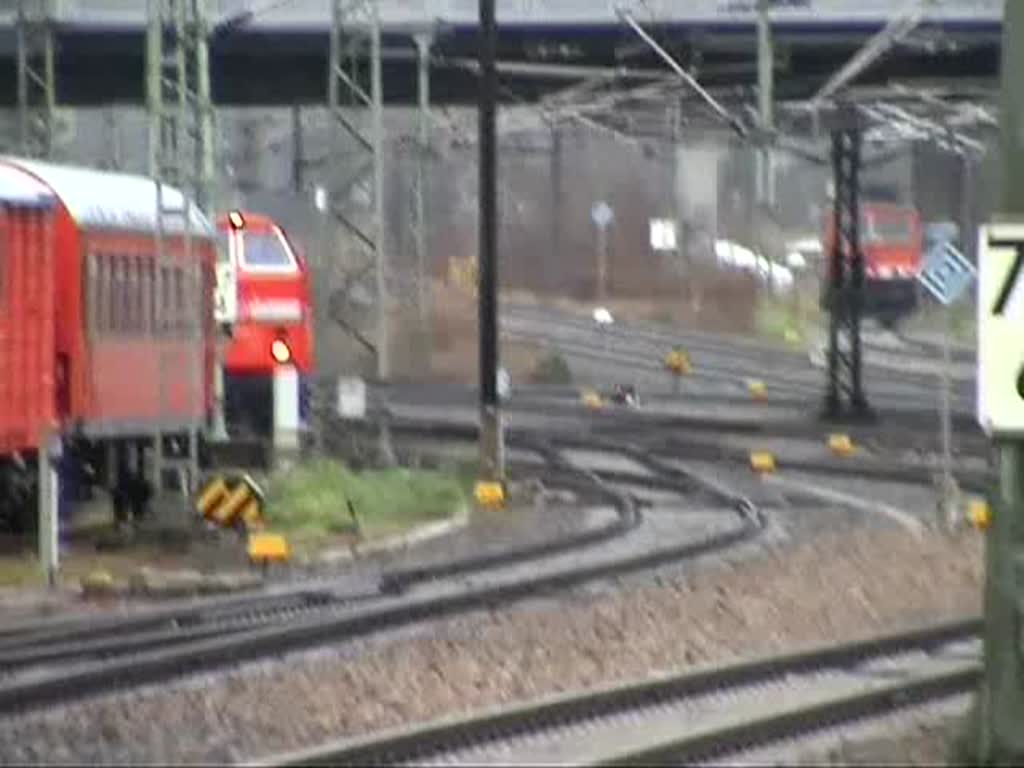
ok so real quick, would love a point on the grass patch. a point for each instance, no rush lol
(20, 571)
(313, 502)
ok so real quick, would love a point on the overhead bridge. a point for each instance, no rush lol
(275, 51)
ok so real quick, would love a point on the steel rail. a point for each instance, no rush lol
(434, 739)
(153, 658)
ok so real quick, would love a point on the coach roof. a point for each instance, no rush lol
(106, 200)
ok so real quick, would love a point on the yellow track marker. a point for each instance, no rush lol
(841, 445)
(268, 548)
(592, 400)
(979, 514)
(762, 462)
(489, 495)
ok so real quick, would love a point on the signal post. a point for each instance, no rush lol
(1001, 412)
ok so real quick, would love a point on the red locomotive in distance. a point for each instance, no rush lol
(274, 317)
(105, 343)
(892, 242)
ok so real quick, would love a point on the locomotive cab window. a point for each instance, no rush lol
(267, 252)
(887, 229)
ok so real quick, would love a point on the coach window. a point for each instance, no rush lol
(145, 294)
(166, 301)
(124, 310)
(121, 301)
(92, 295)
(158, 306)
(104, 294)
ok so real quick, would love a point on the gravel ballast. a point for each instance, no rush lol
(831, 588)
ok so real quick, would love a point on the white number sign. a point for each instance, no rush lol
(1001, 329)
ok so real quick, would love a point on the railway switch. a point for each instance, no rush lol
(841, 445)
(762, 462)
(490, 495)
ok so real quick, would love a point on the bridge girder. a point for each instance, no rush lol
(254, 68)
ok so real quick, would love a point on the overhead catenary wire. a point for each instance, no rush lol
(729, 118)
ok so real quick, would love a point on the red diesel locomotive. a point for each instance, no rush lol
(892, 242)
(274, 323)
(103, 344)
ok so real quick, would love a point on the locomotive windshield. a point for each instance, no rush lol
(888, 229)
(266, 250)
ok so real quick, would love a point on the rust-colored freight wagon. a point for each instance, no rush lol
(100, 339)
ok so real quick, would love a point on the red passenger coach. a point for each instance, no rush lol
(102, 344)
(274, 324)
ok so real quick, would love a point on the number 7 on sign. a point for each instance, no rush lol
(1008, 293)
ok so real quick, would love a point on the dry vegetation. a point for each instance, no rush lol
(454, 342)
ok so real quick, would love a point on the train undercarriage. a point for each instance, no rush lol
(116, 468)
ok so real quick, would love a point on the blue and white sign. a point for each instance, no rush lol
(946, 272)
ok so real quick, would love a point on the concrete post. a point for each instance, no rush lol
(49, 507)
(286, 411)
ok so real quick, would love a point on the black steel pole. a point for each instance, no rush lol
(490, 422)
(834, 282)
(858, 399)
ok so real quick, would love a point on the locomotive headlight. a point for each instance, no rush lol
(280, 351)
(236, 220)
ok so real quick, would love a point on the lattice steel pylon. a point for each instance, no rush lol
(355, 186)
(845, 289)
(181, 155)
(36, 71)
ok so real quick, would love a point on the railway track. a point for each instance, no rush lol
(709, 715)
(887, 386)
(719, 355)
(699, 439)
(49, 662)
